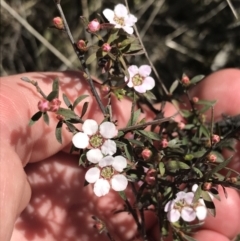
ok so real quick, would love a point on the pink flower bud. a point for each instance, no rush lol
(212, 158)
(58, 23)
(150, 178)
(146, 154)
(54, 105)
(215, 138)
(105, 89)
(181, 125)
(207, 186)
(195, 99)
(185, 80)
(94, 26)
(106, 47)
(43, 105)
(164, 143)
(81, 44)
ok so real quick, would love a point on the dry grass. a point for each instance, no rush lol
(191, 36)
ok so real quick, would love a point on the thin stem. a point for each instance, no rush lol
(154, 122)
(80, 56)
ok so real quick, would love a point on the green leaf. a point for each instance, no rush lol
(203, 130)
(91, 58)
(35, 118)
(186, 113)
(55, 86)
(174, 166)
(206, 102)
(188, 238)
(126, 42)
(67, 101)
(197, 194)
(58, 132)
(151, 135)
(173, 86)
(70, 126)
(150, 96)
(113, 36)
(136, 142)
(162, 168)
(120, 133)
(134, 47)
(123, 195)
(196, 79)
(209, 203)
(217, 168)
(46, 118)
(84, 108)
(199, 154)
(134, 118)
(78, 100)
(52, 95)
(197, 171)
(68, 114)
(82, 160)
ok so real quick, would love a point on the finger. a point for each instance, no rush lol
(23, 144)
(223, 86)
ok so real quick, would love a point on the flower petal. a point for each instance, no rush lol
(133, 70)
(109, 15)
(106, 161)
(80, 140)
(120, 10)
(128, 29)
(148, 83)
(92, 175)
(188, 214)
(119, 163)
(173, 216)
(194, 187)
(109, 147)
(90, 127)
(145, 70)
(201, 212)
(94, 155)
(180, 195)
(129, 83)
(108, 130)
(140, 88)
(101, 187)
(130, 20)
(189, 197)
(119, 182)
(169, 206)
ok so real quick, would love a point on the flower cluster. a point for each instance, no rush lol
(106, 172)
(184, 207)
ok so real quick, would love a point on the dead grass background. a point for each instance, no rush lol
(191, 36)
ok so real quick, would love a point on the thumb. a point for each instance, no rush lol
(23, 144)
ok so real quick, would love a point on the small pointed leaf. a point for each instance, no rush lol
(78, 100)
(35, 118)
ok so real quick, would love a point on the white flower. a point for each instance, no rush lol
(96, 136)
(139, 78)
(121, 18)
(183, 206)
(104, 176)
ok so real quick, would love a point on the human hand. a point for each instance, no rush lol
(60, 207)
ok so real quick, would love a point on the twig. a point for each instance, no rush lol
(37, 35)
(154, 122)
(81, 58)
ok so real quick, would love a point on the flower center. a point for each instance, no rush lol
(119, 20)
(96, 140)
(137, 80)
(107, 172)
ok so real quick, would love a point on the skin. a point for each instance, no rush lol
(41, 186)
